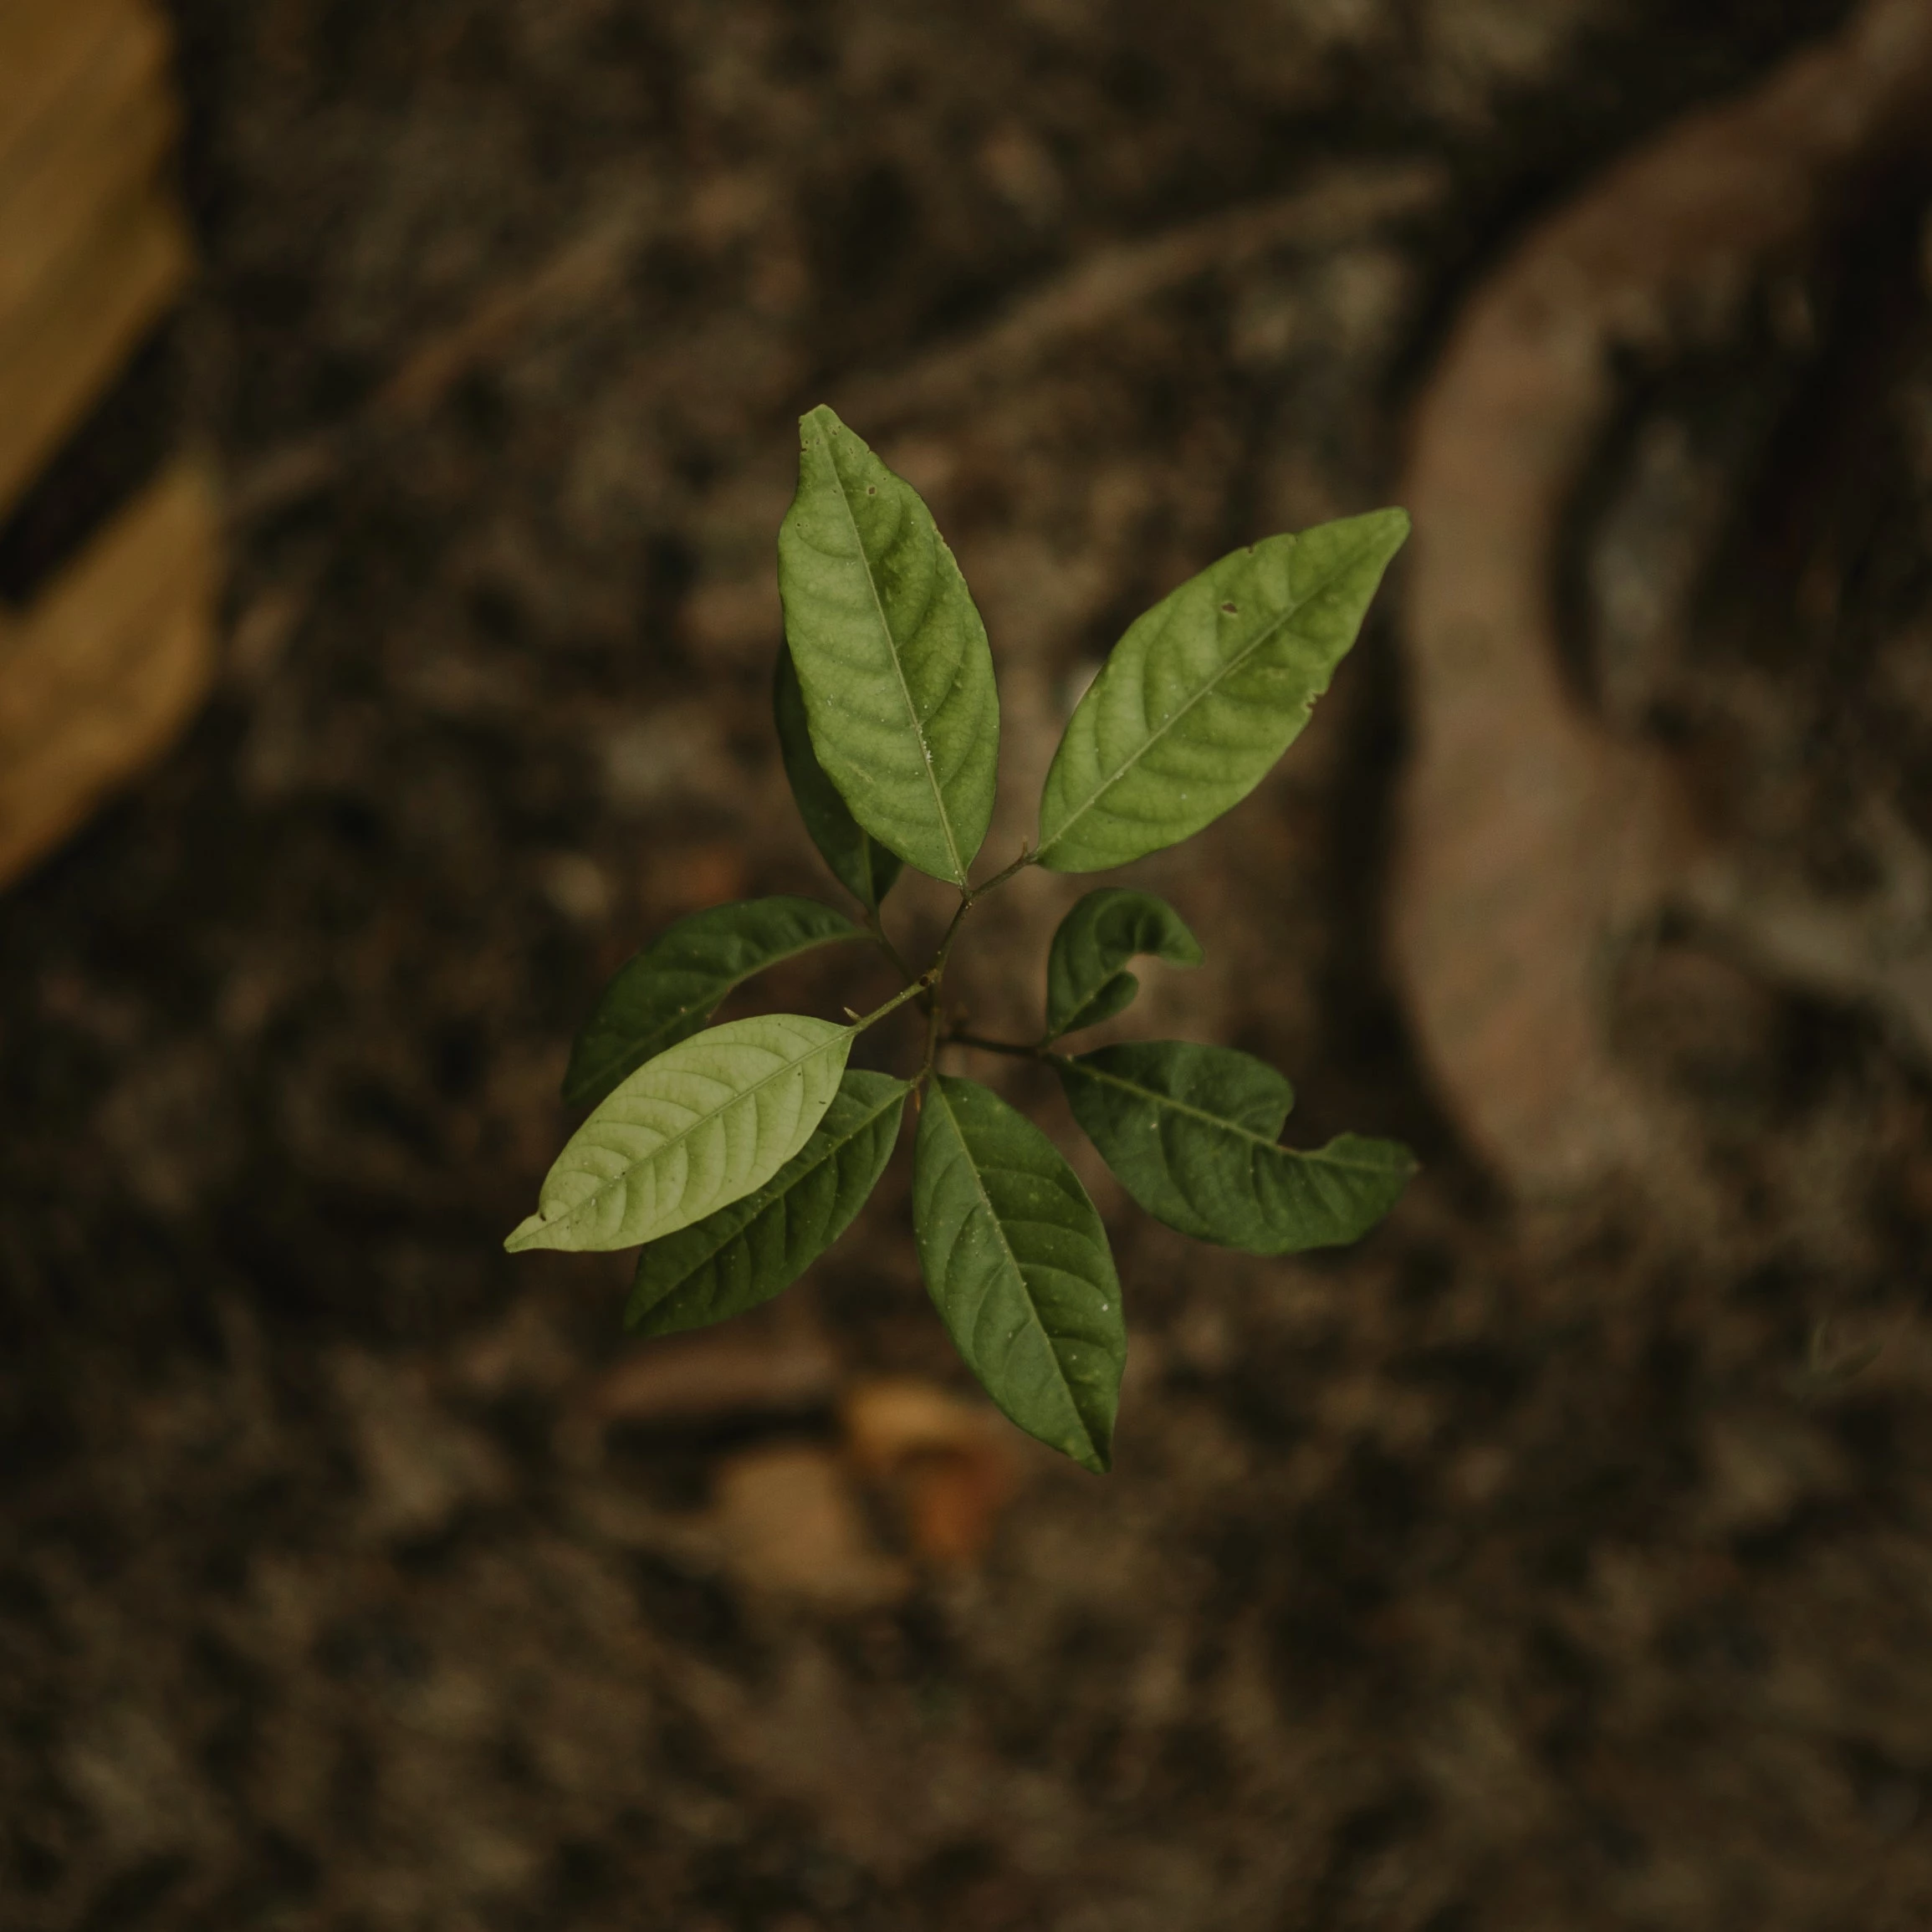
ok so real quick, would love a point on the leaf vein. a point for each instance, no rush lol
(1154, 734)
(905, 689)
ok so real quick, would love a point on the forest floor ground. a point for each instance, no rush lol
(1482, 1578)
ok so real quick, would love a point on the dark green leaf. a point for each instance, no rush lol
(670, 989)
(1017, 1264)
(859, 862)
(747, 1252)
(890, 653)
(1192, 1134)
(1207, 690)
(690, 1132)
(1084, 983)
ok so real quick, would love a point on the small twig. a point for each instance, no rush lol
(1338, 206)
(932, 1037)
(570, 281)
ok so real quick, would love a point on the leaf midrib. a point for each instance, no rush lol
(1006, 1249)
(1154, 737)
(744, 1093)
(1220, 1121)
(899, 672)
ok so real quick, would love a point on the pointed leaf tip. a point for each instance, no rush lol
(1017, 1263)
(1207, 690)
(1191, 1132)
(690, 1131)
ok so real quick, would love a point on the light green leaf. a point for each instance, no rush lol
(860, 863)
(745, 1254)
(889, 651)
(1207, 690)
(1017, 1264)
(696, 1128)
(1084, 983)
(1192, 1134)
(669, 990)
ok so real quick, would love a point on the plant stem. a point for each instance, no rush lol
(932, 1037)
(1027, 856)
(969, 896)
(1015, 1049)
(924, 983)
(928, 984)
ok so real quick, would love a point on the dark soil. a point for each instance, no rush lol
(1464, 1582)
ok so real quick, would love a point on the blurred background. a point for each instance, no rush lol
(397, 410)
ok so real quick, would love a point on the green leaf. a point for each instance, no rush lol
(1191, 1131)
(1084, 983)
(669, 990)
(889, 651)
(859, 862)
(1017, 1264)
(747, 1252)
(1207, 690)
(699, 1127)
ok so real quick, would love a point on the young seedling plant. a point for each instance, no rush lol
(738, 1154)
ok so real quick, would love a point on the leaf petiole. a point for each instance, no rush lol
(923, 983)
(1017, 1050)
(1027, 856)
(969, 896)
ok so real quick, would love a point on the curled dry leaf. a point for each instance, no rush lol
(1533, 840)
(108, 666)
(94, 247)
(951, 1465)
(105, 666)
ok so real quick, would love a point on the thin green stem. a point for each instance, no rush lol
(923, 984)
(968, 898)
(929, 983)
(1027, 856)
(932, 1037)
(1015, 1049)
(940, 957)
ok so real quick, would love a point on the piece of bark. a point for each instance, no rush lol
(1532, 841)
